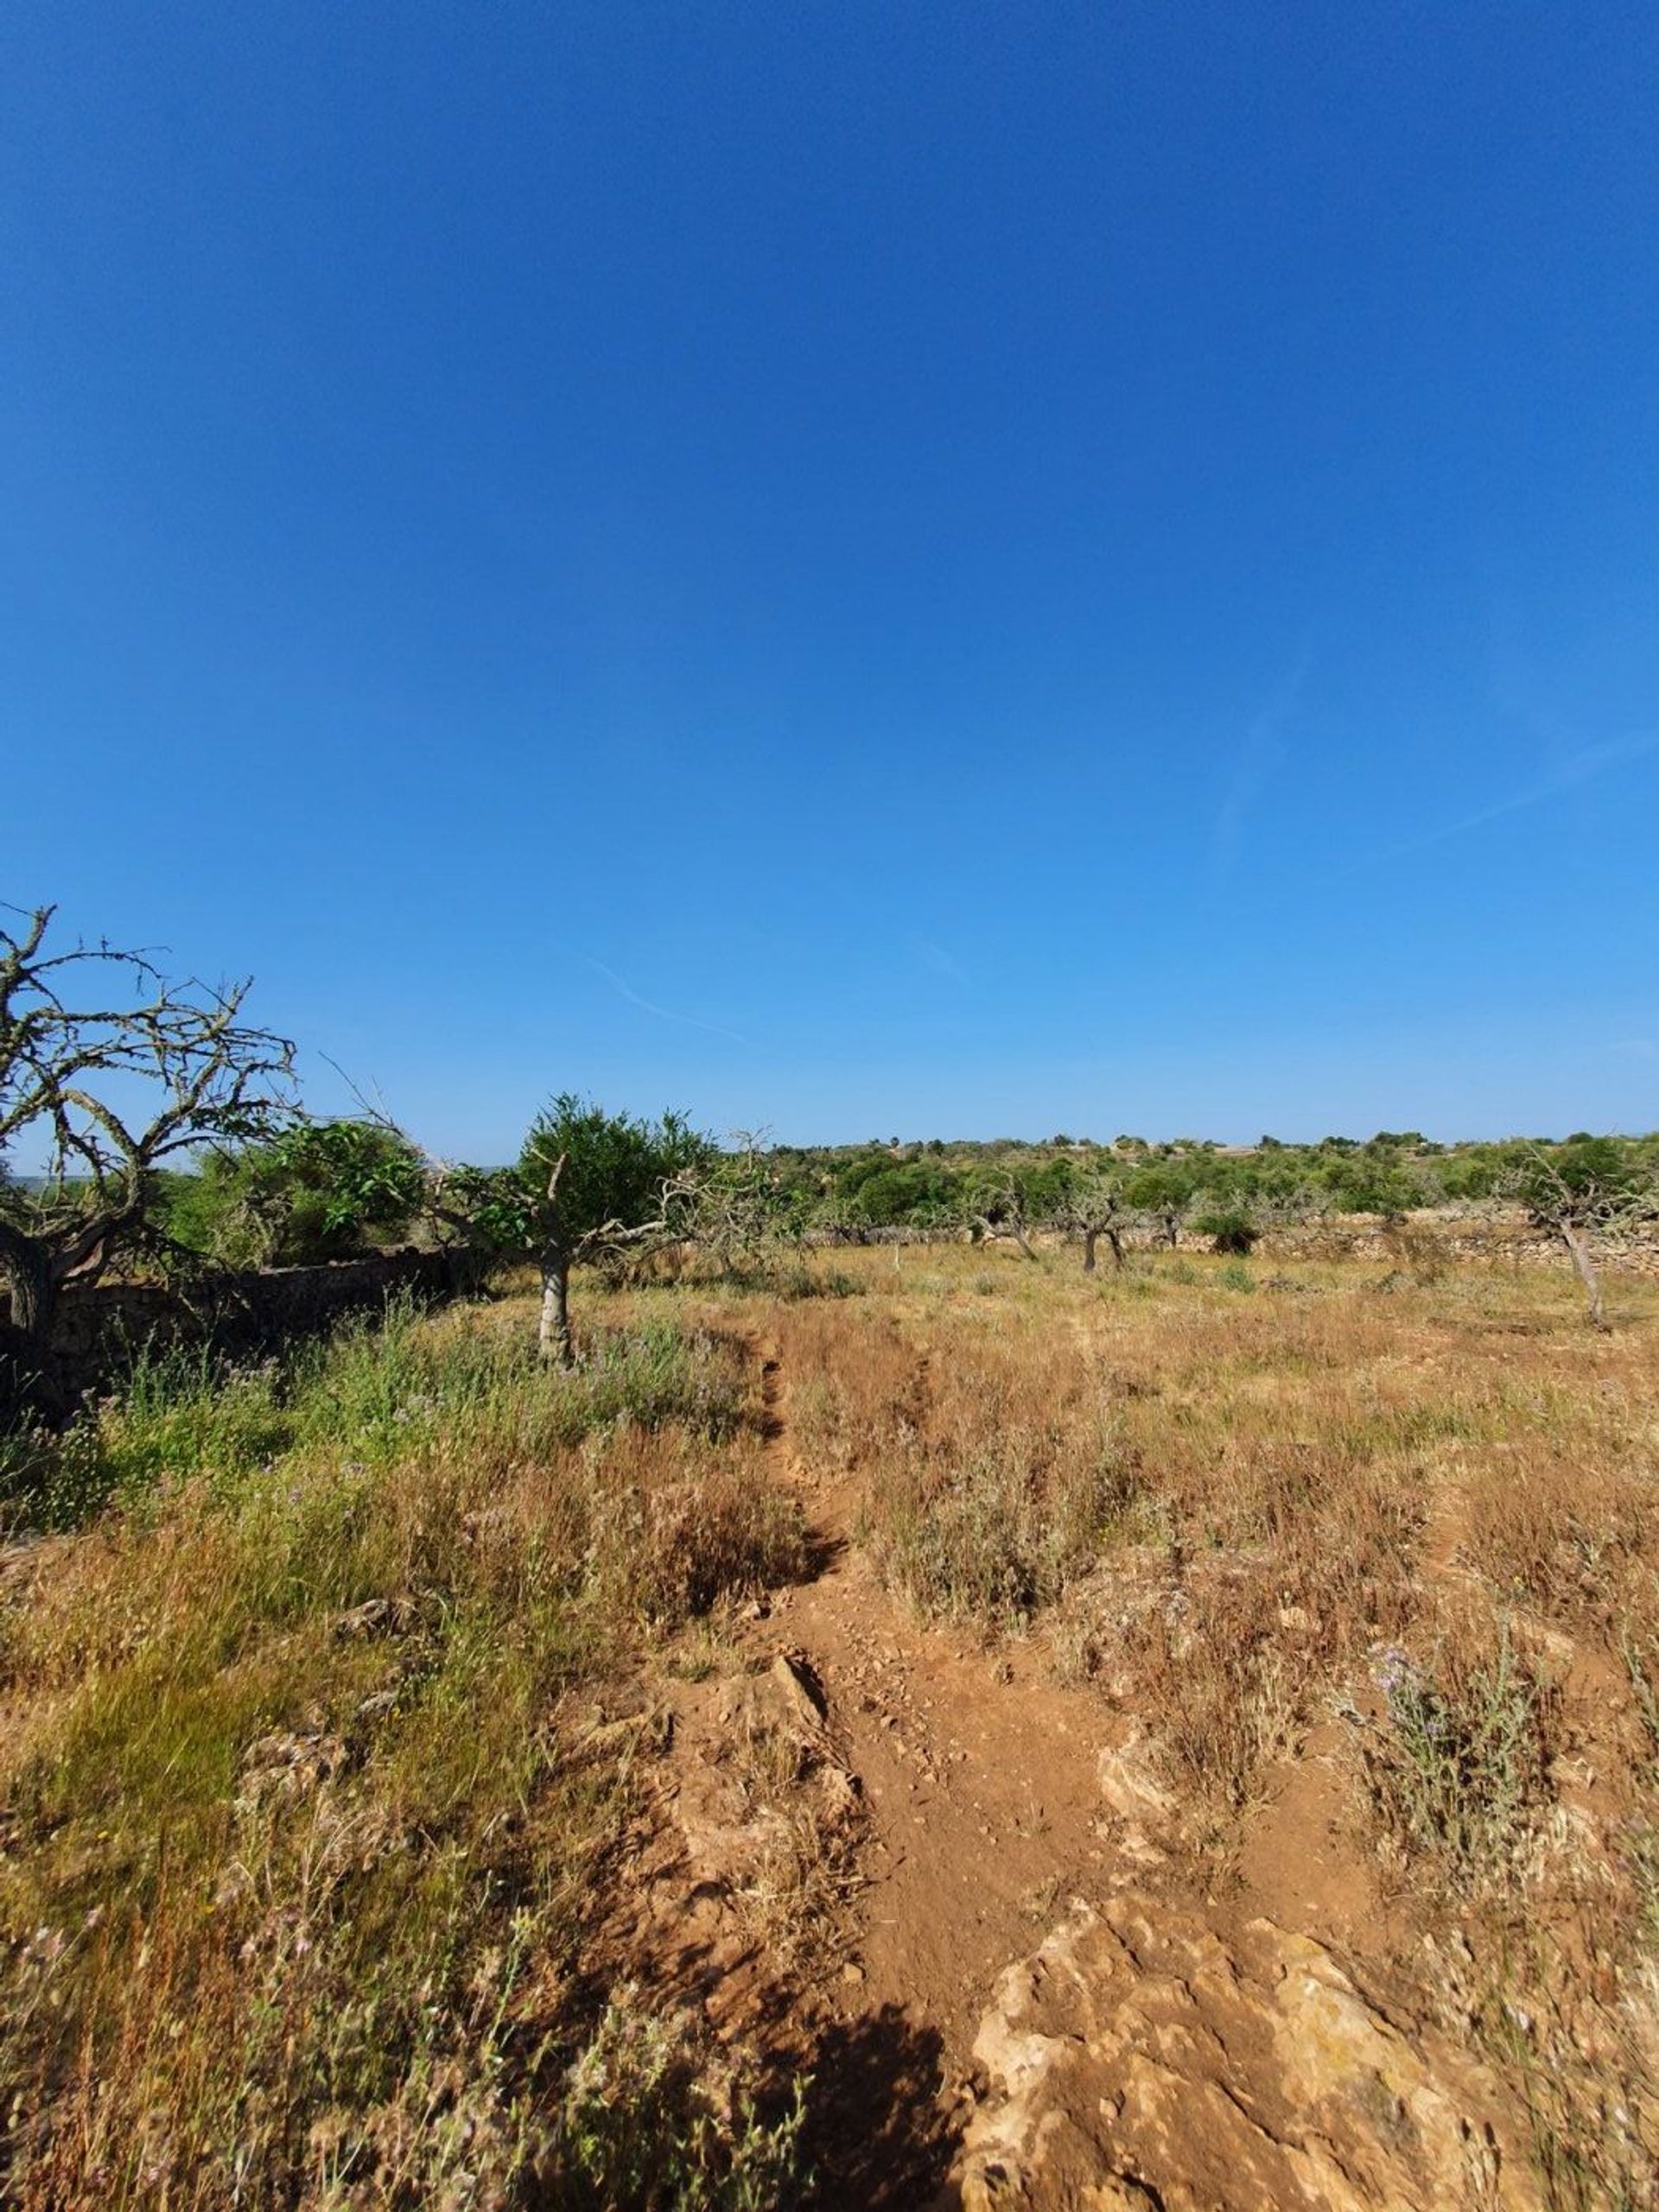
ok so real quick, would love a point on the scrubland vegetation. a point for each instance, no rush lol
(329, 1713)
(301, 1817)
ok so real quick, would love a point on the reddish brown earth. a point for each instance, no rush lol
(1015, 1989)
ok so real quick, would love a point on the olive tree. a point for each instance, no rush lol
(1092, 1202)
(998, 1205)
(109, 1070)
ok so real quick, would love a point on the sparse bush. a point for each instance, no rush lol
(1224, 1688)
(802, 1281)
(1229, 1229)
(996, 1535)
(1420, 1251)
(672, 1529)
(1008, 1499)
(1459, 1772)
(655, 2115)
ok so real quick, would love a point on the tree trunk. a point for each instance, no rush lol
(1114, 1238)
(554, 1340)
(1017, 1230)
(1577, 1245)
(1089, 1238)
(34, 1285)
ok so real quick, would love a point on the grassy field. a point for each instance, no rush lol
(331, 1715)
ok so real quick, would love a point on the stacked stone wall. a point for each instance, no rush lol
(99, 1328)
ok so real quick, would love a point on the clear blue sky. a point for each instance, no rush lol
(866, 569)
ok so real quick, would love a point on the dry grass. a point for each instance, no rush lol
(1430, 1505)
(299, 1838)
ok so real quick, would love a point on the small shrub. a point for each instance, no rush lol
(1229, 1230)
(655, 2115)
(673, 1529)
(655, 1376)
(998, 1533)
(1460, 1770)
(1421, 1251)
(802, 1281)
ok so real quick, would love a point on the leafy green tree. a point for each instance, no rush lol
(320, 1190)
(588, 1184)
(1165, 1192)
(1371, 1180)
(918, 1193)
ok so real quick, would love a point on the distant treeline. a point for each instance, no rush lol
(343, 1188)
(937, 1184)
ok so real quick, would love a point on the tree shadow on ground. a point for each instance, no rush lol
(875, 2133)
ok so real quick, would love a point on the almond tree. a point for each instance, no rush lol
(111, 1069)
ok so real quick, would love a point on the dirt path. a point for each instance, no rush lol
(979, 1781)
(1014, 1982)
(980, 1773)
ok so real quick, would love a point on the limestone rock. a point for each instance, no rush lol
(1137, 2059)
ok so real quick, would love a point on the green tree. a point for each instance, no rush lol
(587, 1183)
(1165, 1192)
(320, 1190)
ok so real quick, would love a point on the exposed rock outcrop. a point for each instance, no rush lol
(1139, 2059)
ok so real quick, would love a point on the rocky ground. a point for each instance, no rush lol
(955, 1877)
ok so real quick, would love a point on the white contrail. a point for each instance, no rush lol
(663, 1012)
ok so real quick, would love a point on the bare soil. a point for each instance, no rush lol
(1032, 1979)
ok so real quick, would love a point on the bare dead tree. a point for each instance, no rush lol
(112, 1069)
(727, 1204)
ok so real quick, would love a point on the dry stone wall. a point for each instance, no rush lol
(100, 1327)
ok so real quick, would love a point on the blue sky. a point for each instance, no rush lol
(859, 569)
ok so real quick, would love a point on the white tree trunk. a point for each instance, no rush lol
(554, 1336)
(1578, 1244)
